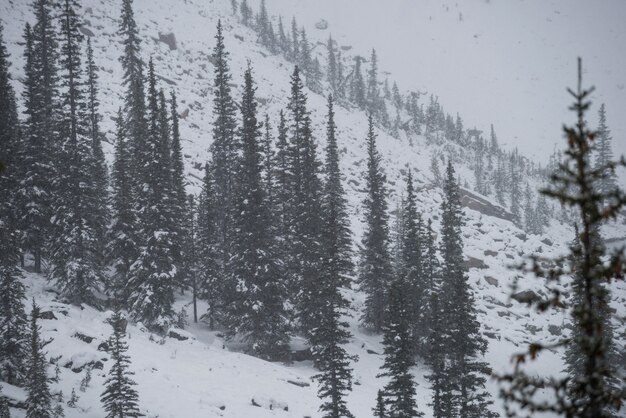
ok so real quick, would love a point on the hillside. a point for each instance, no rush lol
(194, 372)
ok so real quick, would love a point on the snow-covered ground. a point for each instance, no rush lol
(201, 376)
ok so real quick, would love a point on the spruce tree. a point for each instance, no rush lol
(4, 406)
(380, 411)
(223, 146)
(399, 355)
(179, 195)
(295, 42)
(607, 182)
(257, 310)
(463, 340)
(12, 317)
(412, 266)
(331, 67)
(100, 169)
(75, 248)
(305, 210)
(330, 357)
(373, 91)
(209, 257)
(153, 275)
(375, 259)
(515, 192)
(123, 239)
(120, 399)
(357, 89)
(283, 40)
(589, 391)
(38, 159)
(39, 400)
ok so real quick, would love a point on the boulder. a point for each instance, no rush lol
(301, 355)
(475, 263)
(83, 337)
(482, 205)
(177, 335)
(86, 31)
(491, 280)
(525, 296)
(554, 330)
(547, 242)
(321, 24)
(491, 253)
(169, 39)
(47, 315)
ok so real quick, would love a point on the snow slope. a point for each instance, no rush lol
(199, 376)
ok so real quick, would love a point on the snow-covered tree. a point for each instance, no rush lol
(399, 392)
(120, 398)
(375, 260)
(256, 311)
(39, 403)
(607, 182)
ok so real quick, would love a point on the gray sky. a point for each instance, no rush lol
(506, 62)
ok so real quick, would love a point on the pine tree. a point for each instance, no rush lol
(76, 262)
(330, 357)
(120, 399)
(283, 41)
(396, 96)
(246, 13)
(100, 169)
(12, 317)
(179, 195)
(305, 219)
(530, 220)
(373, 91)
(263, 25)
(123, 239)
(153, 275)
(357, 89)
(39, 400)
(209, 283)
(223, 145)
(295, 42)
(380, 410)
(588, 392)
(607, 182)
(398, 350)
(331, 67)
(463, 341)
(4, 406)
(38, 159)
(574, 353)
(257, 312)
(412, 266)
(515, 192)
(375, 260)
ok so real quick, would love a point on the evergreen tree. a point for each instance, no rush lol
(223, 145)
(463, 340)
(373, 91)
(41, 130)
(257, 312)
(357, 90)
(4, 406)
(120, 399)
(123, 240)
(530, 220)
(380, 410)
(499, 180)
(515, 192)
(412, 266)
(179, 196)
(295, 42)
(246, 13)
(75, 258)
(153, 275)
(100, 169)
(12, 317)
(398, 350)
(39, 400)
(305, 219)
(329, 355)
(588, 391)
(607, 181)
(375, 260)
(283, 41)
(331, 68)
(209, 256)
(396, 96)
(574, 353)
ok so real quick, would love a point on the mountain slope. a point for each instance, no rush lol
(198, 376)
